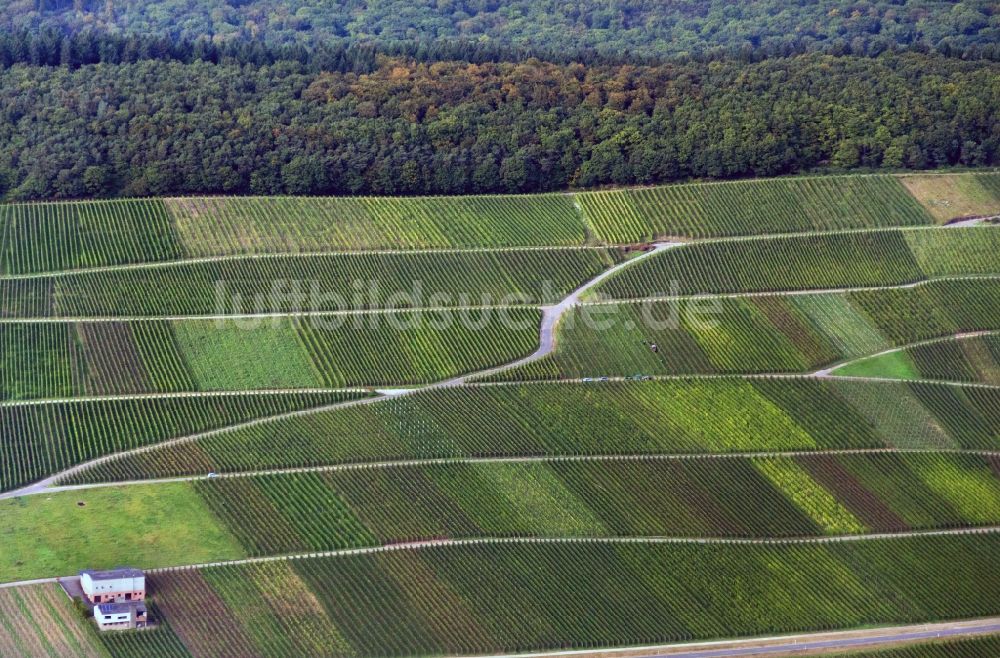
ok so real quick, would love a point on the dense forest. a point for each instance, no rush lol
(149, 97)
(160, 126)
(637, 27)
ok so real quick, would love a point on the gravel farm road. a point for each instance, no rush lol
(551, 315)
(796, 645)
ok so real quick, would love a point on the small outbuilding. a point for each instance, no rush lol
(115, 585)
(120, 616)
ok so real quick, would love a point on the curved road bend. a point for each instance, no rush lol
(551, 315)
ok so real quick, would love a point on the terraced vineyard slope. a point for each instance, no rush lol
(684, 416)
(483, 425)
(771, 333)
(48, 237)
(825, 260)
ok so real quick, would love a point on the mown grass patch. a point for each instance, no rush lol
(145, 526)
(891, 365)
(951, 196)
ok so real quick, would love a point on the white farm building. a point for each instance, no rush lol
(115, 585)
(120, 616)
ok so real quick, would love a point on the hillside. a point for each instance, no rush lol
(502, 423)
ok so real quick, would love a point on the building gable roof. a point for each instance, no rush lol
(113, 574)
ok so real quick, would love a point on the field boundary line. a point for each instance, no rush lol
(386, 391)
(528, 541)
(237, 317)
(345, 467)
(481, 541)
(593, 381)
(789, 293)
(791, 235)
(896, 380)
(402, 251)
(276, 255)
(183, 394)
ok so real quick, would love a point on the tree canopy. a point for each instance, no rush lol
(637, 27)
(406, 127)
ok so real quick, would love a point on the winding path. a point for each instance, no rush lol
(551, 315)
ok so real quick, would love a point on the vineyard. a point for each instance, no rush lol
(62, 359)
(504, 597)
(47, 237)
(318, 607)
(791, 205)
(53, 629)
(774, 333)
(837, 260)
(499, 424)
(58, 236)
(40, 439)
(955, 251)
(419, 347)
(685, 416)
(714, 497)
(281, 284)
(212, 227)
